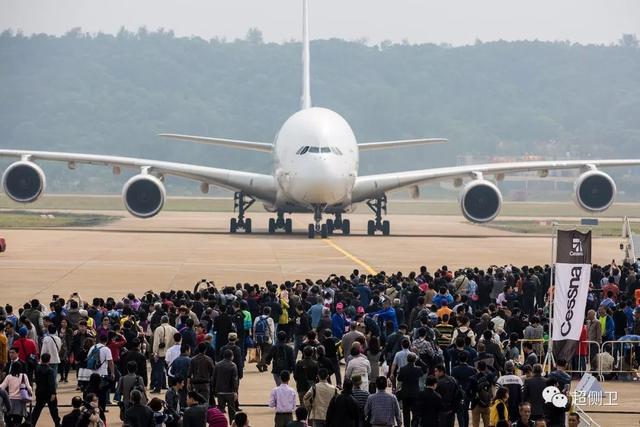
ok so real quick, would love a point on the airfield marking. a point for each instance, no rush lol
(353, 258)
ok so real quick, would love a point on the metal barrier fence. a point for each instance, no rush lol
(582, 363)
(623, 356)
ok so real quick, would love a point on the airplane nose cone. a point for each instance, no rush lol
(322, 183)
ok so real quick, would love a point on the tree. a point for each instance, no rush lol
(254, 36)
(630, 41)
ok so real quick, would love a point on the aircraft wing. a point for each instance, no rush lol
(232, 143)
(257, 185)
(370, 186)
(366, 146)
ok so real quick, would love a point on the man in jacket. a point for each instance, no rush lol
(200, 372)
(594, 333)
(238, 359)
(343, 409)
(318, 397)
(532, 392)
(138, 414)
(45, 391)
(305, 372)
(134, 355)
(196, 414)
(514, 384)
(430, 404)
(382, 408)
(408, 388)
(480, 393)
(71, 419)
(225, 383)
(451, 397)
(282, 357)
(162, 341)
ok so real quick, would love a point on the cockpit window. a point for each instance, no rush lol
(325, 149)
(336, 150)
(314, 149)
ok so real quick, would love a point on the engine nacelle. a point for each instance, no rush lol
(594, 191)
(144, 195)
(480, 201)
(24, 181)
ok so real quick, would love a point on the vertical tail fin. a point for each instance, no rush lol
(305, 100)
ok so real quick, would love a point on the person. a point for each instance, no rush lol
(514, 384)
(283, 400)
(240, 420)
(329, 343)
(176, 400)
(100, 361)
(462, 374)
(524, 416)
(573, 420)
(225, 383)
(264, 331)
(45, 381)
(180, 366)
(135, 355)
(451, 396)
(52, 344)
(561, 376)
(12, 384)
(71, 419)
(128, 383)
(90, 412)
(301, 417)
(429, 404)
(174, 351)
(282, 357)
(408, 388)
(216, 418)
(200, 372)
(358, 365)
(305, 372)
(343, 409)
(238, 355)
(360, 395)
(480, 392)
(163, 340)
(499, 415)
(532, 392)
(554, 415)
(382, 408)
(196, 413)
(159, 416)
(350, 337)
(138, 414)
(27, 351)
(318, 397)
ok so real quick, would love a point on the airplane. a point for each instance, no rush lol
(315, 169)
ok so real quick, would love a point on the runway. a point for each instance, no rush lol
(176, 249)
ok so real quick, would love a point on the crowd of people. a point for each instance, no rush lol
(389, 349)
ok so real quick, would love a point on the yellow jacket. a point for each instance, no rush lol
(284, 317)
(499, 411)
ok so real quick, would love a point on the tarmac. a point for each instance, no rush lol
(176, 249)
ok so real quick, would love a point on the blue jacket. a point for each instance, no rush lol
(338, 323)
(388, 314)
(439, 299)
(365, 295)
(315, 312)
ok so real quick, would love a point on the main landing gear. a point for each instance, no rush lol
(378, 206)
(241, 203)
(344, 225)
(280, 223)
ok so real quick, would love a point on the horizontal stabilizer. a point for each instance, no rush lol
(232, 143)
(401, 143)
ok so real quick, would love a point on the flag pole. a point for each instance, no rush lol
(549, 361)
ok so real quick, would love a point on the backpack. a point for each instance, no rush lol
(262, 330)
(247, 320)
(93, 359)
(484, 392)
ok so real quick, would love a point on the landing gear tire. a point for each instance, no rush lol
(346, 227)
(323, 231)
(312, 231)
(330, 226)
(272, 225)
(371, 227)
(233, 225)
(386, 228)
(288, 226)
(247, 225)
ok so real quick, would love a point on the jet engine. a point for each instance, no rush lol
(24, 181)
(144, 195)
(480, 201)
(594, 191)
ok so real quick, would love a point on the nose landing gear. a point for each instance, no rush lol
(318, 228)
(280, 223)
(378, 206)
(241, 203)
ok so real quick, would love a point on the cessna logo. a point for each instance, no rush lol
(572, 293)
(576, 248)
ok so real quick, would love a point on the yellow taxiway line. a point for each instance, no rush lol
(353, 258)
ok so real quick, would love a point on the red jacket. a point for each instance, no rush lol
(583, 346)
(26, 348)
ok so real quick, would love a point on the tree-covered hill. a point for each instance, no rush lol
(113, 94)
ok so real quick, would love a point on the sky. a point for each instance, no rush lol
(456, 22)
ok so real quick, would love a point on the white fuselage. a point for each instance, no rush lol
(315, 159)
